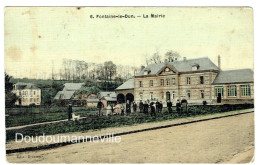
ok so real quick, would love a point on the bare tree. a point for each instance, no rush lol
(171, 55)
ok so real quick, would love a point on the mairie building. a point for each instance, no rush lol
(196, 80)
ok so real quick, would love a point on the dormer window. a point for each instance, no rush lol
(195, 67)
(147, 71)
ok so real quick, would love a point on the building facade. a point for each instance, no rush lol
(27, 94)
(196, 80)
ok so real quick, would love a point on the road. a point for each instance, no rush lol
(222, 140)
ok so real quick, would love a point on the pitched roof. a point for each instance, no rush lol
(129, 84)
(21, 85)
(234, 76)
(64, 95)
(109, 94)
(182, 66)
(109, 98)
(72, 86)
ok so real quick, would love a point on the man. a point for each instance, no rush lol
(157, 106)
(128, 108)
(99, 106)
(178, 107)
(184, 104)
(169, 105)
(122, 110)
(160, 106)
(141, 106)
(69, 112)
(134, 106)
(152, 109)
(146, 106)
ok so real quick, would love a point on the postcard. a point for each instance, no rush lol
(129, 84)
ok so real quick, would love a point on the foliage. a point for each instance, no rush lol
(88, 90)
(10, 98)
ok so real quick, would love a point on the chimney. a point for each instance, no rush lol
(184, 58)
(219, 61)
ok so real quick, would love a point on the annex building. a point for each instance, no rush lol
(196, 80)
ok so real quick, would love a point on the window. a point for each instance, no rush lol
(232, 90)
(167, 70)
(162, 95)
(140, 84)
(34, 92)
(219, 89)
(141, 95)
(31, 100)
(245, 89)
(167, 82)
(201, 79)
(162, 82)
(151, 95)
(173, 81)
(168, 96)
(173, 94)
(151, 83)
(202, 94)
(188, 80)
(188, 94)
(38, 99)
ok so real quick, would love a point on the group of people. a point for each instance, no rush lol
(155, 107)
(145, 107)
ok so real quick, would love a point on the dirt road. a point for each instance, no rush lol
(216, 141)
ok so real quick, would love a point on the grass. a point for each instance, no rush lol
(38, 115)
(93, 122)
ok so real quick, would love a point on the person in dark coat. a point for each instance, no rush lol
(184, 104)
(169, 105)
(141, 106)
(134, 106)
(160, 106)
(178, 107)
(99, 106)
(122, 110)
(152, 109)
(146, 106)
(157, 106)
(69, 112)
(128, 108)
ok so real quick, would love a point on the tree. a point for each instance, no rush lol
(10, 97)
(155, 58)
(171, 55)
(110, 69)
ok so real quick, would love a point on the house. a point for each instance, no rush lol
(27, 94)
(108, 98)
(92, 100)
(68, 94)
(196, 80)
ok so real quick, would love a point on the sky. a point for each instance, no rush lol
(37, 37)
